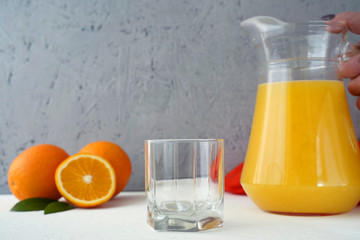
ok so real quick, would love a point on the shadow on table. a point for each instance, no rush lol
(122, 200)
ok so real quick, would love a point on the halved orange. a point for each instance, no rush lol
(85, 180)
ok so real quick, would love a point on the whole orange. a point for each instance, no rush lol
(31, 174)
(116, 156)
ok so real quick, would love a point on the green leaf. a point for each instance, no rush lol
(55, 207)
(32, 204)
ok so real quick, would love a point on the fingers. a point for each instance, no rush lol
(358, 102)
(354, 86)
(351, 68)
(350, 19)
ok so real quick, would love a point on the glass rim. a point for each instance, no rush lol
(184, 140)
(320, 23)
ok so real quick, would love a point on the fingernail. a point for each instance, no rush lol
(328, 17)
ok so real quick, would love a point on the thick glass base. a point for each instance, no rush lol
(182, 216)
(176, 223)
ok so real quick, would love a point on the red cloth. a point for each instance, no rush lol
(214, 174)
(232, 181)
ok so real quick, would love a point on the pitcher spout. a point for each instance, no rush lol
(261, 29)
(261, 25)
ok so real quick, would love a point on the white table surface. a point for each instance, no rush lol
(124, 218)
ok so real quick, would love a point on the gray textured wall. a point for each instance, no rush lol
(73, 72)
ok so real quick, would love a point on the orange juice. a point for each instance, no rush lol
(303, 156)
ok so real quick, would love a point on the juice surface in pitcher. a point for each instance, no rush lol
(303, 156)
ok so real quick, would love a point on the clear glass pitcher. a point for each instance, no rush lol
(303, 156)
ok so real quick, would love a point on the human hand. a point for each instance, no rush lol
(351, 69)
